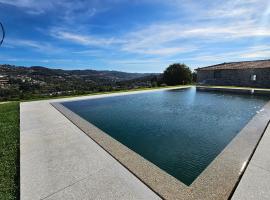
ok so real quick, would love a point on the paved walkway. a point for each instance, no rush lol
(255, 183)
(58, 161)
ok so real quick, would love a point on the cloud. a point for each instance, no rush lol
(218, 9)
(85, 40)
(164, 32)
(64, 10)
(249, 53)
(31, 6)
(159, 51)
(170, 39)
(127, 43)
(257, 54)
(43, 47)
(212, 22)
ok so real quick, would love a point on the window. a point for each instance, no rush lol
(253, 77)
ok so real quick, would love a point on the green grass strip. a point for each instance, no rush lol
(9, 151)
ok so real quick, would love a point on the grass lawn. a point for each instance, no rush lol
(9, 150)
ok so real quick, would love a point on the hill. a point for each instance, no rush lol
(25, 82)
(39, 72)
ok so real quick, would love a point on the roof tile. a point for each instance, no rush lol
(259, 64)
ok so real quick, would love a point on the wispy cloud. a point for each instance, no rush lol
(164, 32)
(133, 43)
(250, 53)
(161, 51)
(167, 39)
(44, 47)
(66, 10)
(164, 39)
(256, 52)
(86, 40)
(31, 6)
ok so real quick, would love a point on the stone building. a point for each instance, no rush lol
(246, 74)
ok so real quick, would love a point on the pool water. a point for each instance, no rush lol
(180, 131)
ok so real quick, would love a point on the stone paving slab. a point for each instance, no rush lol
(114, 186)
(255, 183)
(58, 161)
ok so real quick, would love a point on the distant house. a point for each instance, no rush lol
(246, 74)
(3, 80)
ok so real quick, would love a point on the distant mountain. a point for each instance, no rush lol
(19, 82)
(94, 75)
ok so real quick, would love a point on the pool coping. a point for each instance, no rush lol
(239, 90)
(217, 181)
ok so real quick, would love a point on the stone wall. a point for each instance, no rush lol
(237, 77)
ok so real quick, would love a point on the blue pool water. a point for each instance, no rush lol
(180, 131)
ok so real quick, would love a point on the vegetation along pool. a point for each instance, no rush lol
(180, 131)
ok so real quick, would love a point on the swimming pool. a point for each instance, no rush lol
(180, 131)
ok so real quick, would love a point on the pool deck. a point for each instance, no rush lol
(254, 184)
(59, 161)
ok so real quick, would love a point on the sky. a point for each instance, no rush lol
(133, 35)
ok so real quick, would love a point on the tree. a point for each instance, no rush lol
(194, 77)
(177, 74)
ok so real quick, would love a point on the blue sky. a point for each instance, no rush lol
(133, 35)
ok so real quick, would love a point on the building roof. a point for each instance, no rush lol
(259, 64)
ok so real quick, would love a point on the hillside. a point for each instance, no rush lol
(42, 72)
(25, 82)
